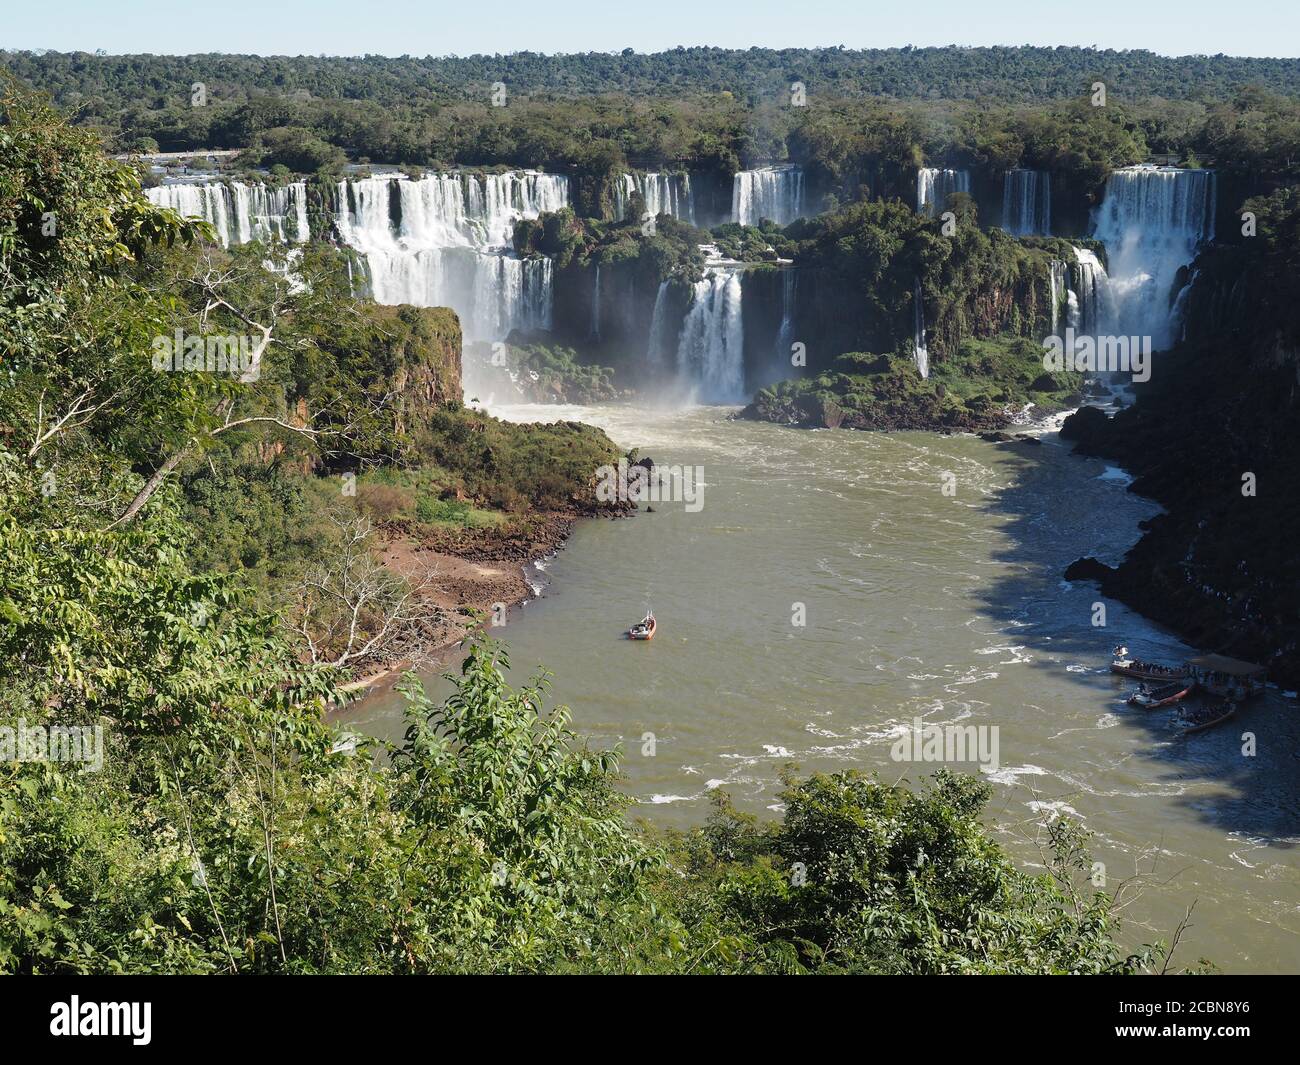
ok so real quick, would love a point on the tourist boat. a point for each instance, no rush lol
(1208, 716)
(1228, 678)
(1164, 695)
(643, 629)
(1124, 664)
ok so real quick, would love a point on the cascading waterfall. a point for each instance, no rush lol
(1059, 286)
(509, 293)
(1152, 221)
(920, 353)
(1027, 203)
(710, 350)
(239, 212)
(934, 186)
(210, 202)
(444, 240)
(662, 193)
(657, 345)
(594, 330)
(1093, 310)
(772, 192)
(785, 334)
(1180, 306)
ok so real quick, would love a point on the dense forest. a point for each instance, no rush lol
(191, 560)
(1239, 115)
(1009, 74)
(187, 560)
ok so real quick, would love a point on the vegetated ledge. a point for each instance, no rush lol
(475, 500)
(982, 387)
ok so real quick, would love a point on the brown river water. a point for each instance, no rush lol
(917, 603)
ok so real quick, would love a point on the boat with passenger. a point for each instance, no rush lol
(1126, 665)
(1207, 715)
(1227, 678)
(643, 629)
(1163, 695)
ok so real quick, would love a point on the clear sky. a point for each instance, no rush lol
(464, 27)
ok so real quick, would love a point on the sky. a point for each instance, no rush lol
(463, 27)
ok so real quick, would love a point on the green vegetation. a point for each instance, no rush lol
(671, 250)
(982, 386)
(752, 244)
(860, 267)
(426, 495)
(231, 831)
(1007, 370)
(153, 523)
(262, 459)
(542, 373)
(871, 116)
(373, 92)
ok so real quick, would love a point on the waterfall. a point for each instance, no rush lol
(662, 193)
(594, 329)
(933, 187)
(772, 192)
(1093, 309)
(445, 239)
(1180, 305)
(1027, 203)
(209, 202)
(920, 353)
(508, 293)
(785, 334)
(1059, 284)
(241, 212)
(710, 350)
(1152, 221)
(656, 345)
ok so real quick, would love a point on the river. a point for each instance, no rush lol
(928, 569)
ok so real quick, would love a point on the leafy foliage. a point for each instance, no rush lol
(232, 827)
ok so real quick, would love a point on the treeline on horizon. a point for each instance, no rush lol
(709, 111)
(1010, 73)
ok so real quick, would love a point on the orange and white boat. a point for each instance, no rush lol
(1166, 695)
(643, 629)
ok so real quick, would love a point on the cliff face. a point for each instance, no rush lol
(426, 345)
(410, 355)
(1215, 438)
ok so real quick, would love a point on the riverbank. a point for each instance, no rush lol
(1218, 566)
(915, 604)
(474, 576)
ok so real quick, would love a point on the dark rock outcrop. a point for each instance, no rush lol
(1089, 569)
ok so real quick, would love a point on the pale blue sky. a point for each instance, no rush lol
(436, 27)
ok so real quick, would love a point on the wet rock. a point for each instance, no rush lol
(1086, 425)
(1088, 569)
